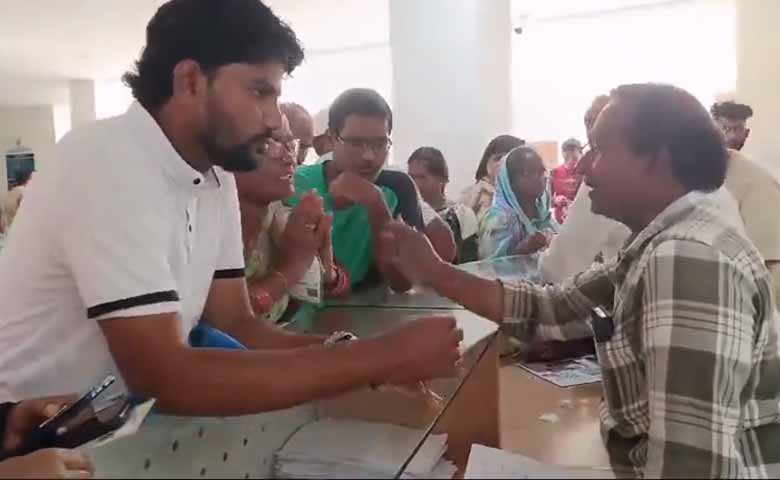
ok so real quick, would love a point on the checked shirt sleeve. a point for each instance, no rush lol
(556, 312)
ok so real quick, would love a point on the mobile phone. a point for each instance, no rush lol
(92, 424)
(79, 422)
(74, 408)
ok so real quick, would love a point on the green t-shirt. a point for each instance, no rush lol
(353, 245)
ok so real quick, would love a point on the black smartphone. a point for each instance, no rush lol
(76, 407)
(79, 422)
(92, 424)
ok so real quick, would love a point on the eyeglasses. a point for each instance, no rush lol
(377, 145)
(276, 149)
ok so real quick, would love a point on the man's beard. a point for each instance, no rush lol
(239, 158)
(243, 157)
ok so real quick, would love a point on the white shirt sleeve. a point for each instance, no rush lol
(230, 263)
(117, 250)
(582, 236)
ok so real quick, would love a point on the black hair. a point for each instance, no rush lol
(433, 160)
(571, 144)
(498, 146)
(516, 159)
(731, 110)
(664, 117)
(214, 33)
(358, 101)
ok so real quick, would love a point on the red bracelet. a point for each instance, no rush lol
(262, 301)
(340, 286)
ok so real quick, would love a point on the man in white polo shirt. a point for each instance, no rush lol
(132, 235)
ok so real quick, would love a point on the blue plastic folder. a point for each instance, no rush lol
(206, 336)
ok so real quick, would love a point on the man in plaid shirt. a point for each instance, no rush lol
(684, 323)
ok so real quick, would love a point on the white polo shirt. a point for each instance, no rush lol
(118, 225)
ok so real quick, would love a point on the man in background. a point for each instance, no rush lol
(301, 127)
(565, 179)
(732, 118)
(411, 207)
(754, 188)
(360, 123)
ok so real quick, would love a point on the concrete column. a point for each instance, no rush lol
(758, 75)
(82, 102)
(451, 79)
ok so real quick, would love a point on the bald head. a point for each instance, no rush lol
(301, 125)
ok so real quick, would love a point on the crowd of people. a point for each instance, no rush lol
(198, 210)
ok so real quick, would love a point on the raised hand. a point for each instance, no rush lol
(302, 237)
(411, 252)
(348, 189)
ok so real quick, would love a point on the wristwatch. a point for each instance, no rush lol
(339, 337)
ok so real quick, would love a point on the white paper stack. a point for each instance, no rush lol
(358, 449)
(486, 462)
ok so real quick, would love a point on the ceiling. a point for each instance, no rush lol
(43, 43)
(71, 39)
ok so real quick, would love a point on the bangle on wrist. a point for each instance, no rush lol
(262, 301)
(283, 278)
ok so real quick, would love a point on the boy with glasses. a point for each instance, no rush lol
(359, 125)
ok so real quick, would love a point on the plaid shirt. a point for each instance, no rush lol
(690, 362)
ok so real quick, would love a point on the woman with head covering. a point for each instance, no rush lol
(479, 196)
(519, 222)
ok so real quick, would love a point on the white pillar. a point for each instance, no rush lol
(451, 79)
(82, 102)
(758, 75)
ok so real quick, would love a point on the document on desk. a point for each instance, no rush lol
(345, 448)
(486, 462)
(566, 373)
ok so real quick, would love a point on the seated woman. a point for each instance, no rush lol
(520, 221)
(428, 169)
(480, 195)
(269, 227)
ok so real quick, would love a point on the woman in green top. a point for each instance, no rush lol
(270, 231)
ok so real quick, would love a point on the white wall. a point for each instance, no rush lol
(560, 64)
(35, 127)
(451, 79)
(759, 76)
(82, 102)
